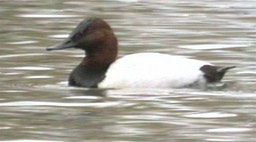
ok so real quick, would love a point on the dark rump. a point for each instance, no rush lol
(214, 74)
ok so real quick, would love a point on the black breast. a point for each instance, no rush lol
(83, 76)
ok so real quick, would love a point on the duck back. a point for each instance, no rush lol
(143, 70)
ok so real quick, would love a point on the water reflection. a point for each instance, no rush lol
(37, 105)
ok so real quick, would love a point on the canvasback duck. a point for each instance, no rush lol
(101, 68)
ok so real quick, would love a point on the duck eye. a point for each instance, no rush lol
(77, 36)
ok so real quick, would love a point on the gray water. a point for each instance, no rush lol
(36, 104)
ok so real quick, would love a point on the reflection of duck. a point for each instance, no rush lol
(100, 68)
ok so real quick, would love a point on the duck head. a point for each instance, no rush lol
(95, 37)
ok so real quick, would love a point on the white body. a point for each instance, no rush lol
(153, 70)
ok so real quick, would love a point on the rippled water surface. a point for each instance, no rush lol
(36, 104)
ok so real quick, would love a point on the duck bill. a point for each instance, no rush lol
(64, 45)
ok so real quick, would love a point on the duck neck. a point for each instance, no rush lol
(101, 56)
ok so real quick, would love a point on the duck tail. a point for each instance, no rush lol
(222, 70)
(214, 74)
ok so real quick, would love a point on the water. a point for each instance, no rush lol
(36, 105)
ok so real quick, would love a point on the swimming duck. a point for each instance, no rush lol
(100, 67)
